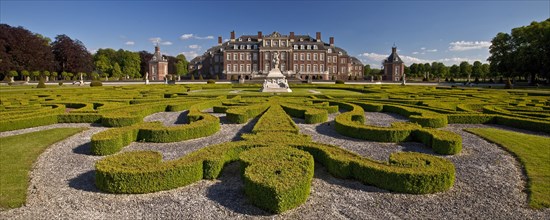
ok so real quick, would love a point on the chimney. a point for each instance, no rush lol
(331, 41)
(318, 36)
(220, 40)
(292, 36)
(232, 36)
(260, 36)
(394, 49)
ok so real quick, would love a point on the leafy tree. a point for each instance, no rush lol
(465, 69)
(12, 74)
(427, 68)
(20, 49)
(476, 69)
(102, 63)
(117, 72)
(46, 75)
(71, 55)
(54, 75)
(26, 74)
(35, 74)
(485, 71)
(454, 71)
(181, 66)
(144, 57)
(130, 63)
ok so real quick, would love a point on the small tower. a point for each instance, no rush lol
(393, 66)
(158, 66)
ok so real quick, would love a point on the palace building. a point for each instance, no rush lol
(301, 56)
(158, 66)
(393, 67)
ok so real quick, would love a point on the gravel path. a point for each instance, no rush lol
(489, 184)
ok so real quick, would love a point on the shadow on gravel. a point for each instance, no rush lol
(84, 182)
(85, 149)
(327, 128)
(417, 147)
(245, 129)
(229, 192)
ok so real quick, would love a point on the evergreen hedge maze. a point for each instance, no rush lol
(277, 161)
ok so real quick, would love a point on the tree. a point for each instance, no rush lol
(35, 74)
(144, 57)
(117, 72)
(476, 70)
(454, 71)
(12, 74)
(71, 55)
(46, 75)
(465, 69)
(26, 74)
(102, 63)
(485, 71)
(130, 63)
(427, 68)
(181, 66)
(54, 75)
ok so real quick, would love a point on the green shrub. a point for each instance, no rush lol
(41, 84)
(338, 81)
(60, 83)
(277, 178)
(311, 114)
(211, 81)
(96, 83)
(242, 114)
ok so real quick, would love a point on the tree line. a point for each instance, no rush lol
(524, 54)
(30, 56)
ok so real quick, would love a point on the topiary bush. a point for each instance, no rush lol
(96, 83)
(41, 84)
(339, 81)
(210, 81)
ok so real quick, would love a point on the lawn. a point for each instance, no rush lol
(533, 152)
(17, 155)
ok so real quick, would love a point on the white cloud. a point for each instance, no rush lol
(166, 43)
(432, 50)
(194, 47)
(414, 52)
(190, 36)
(189, 55)
(186, 36)
(423, 48)
(130, 43)
(468, 45)
(155, 40)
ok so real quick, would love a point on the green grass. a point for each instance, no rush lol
(533, 152)
(17, 155)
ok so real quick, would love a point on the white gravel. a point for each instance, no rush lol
(489, 183)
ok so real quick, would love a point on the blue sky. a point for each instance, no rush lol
(423, 31)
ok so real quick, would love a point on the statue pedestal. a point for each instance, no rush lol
(147, 82)
(275, 82)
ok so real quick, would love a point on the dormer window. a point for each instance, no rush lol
(301, 47)
(301, 39)
(240, 39)
(296, 47)
(235, 47)
(248, 47)
(275, 43)
(268, 43)
(309, 47)
(255, 46)
(329, 50)
(283, 43)
(315, 47)
(249, 39)
(242, 47)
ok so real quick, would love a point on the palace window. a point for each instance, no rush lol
(321, 68)
(308, 56)
(295, 67)
(296, 47)
(249, 39)
(266, 67)
(247, 56)
(283, 43)
(283, 55)
(235, 68)
(301, 56)
(343, 69)
(248, 68)
(235, 56)
(329, 59)
(301, 47)
(242, 47)
(248, 47)
(228, 56)
(301, 67)
(240, 39)
(268, 43)
(266, 55)
(295, 56)
(343, 61)
(255, 67)
(228, 67)
(315, 47)
(254, 56)
(334, 59)
(241, 68)
(235, 47)
(315, 56)
(241, 56)
(322, 57)
(308, 68)
(329, 50)
(314, 67)
(255, 47)
(275, 43)
(309, 47)
(334, 70)
(283, 68)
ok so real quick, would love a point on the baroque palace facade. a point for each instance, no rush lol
(301, 57)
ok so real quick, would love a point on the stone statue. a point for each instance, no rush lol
(146, 78)
(276, 59)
